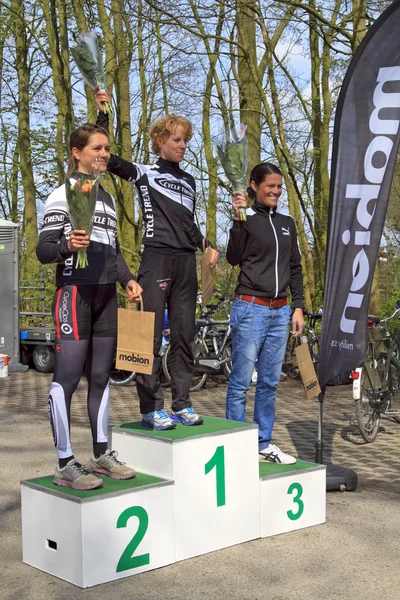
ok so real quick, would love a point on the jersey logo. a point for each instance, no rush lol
(285, 231)
(163, 283)
(177, 188)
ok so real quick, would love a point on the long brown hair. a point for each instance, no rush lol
(79, 138)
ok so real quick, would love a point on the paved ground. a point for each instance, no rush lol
(355, 554)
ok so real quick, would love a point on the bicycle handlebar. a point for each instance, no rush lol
(391, 317)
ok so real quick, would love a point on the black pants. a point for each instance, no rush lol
(169, 279)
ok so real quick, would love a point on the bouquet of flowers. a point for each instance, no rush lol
(233, 155)
(81, 199)
(88, 59)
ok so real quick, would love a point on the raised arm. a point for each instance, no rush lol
(237, 234)
(117, 165)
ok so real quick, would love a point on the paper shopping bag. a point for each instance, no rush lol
(207, 278)
(307, 371)
(135, 340)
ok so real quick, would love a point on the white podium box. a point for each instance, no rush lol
(292, 496)
(216, 481)
(87, 538)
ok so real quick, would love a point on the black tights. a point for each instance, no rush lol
(98, 352)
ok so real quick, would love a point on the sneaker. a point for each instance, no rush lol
(108, 464)
(77, 477)
(186, 416)
(272, 452)
(158, 419)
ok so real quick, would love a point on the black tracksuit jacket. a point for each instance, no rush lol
(266, 248)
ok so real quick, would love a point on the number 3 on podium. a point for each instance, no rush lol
(298, 489)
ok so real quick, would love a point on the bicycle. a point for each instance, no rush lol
(212, 350)
(376, 388)
(310, 337)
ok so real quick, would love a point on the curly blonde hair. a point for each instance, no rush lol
(162, 128)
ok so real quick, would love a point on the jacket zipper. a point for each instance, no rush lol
(276, 257)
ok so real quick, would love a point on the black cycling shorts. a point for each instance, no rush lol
(83, 311)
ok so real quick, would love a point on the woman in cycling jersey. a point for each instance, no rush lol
(167, 270)
(84, 312)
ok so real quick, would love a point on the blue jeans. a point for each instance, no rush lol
(260, 334)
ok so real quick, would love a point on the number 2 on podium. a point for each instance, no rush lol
(218, 461)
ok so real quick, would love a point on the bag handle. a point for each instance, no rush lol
(139, 305)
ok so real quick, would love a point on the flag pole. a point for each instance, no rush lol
(338, 478)
(319, 444)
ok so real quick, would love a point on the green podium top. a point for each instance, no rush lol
(268, 469)
(211, 425)
(111, 487)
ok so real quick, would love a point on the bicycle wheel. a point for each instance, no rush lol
(395, 391)
(121, 377)
(314, 352)
(199, 349)
(292, 368)
(227, 355)
(367, 416)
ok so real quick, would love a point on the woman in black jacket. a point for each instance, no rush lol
(84, 312)
(266, 248)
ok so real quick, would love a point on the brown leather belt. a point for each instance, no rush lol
(271, 302)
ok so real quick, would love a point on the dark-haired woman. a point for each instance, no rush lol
(84, 312)
(265, 246)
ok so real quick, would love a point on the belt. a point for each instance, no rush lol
(271, 302)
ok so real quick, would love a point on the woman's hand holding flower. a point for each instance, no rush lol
(239, 202)
(102, 98)
(78, 239)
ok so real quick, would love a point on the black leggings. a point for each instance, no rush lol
(96, 350)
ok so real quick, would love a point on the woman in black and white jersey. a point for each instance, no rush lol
(84, 312)
(167, 269)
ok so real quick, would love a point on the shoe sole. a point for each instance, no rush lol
(112, 475)
(178, 420)
(292, 462)
(157, 427)
(84, 488)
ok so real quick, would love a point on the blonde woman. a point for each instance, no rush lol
(167, 271)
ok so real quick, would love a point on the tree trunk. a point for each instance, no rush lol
(29, 263)
(59, 57)
(250, 102)
(125, 195)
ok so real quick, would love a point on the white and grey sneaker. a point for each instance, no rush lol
(108, 464)
(272, 452)
(186, 416)
(76, 476)
(158, 419)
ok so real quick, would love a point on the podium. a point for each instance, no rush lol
(87, 538)
(291, 496)
(215, 474)
(198, 489)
